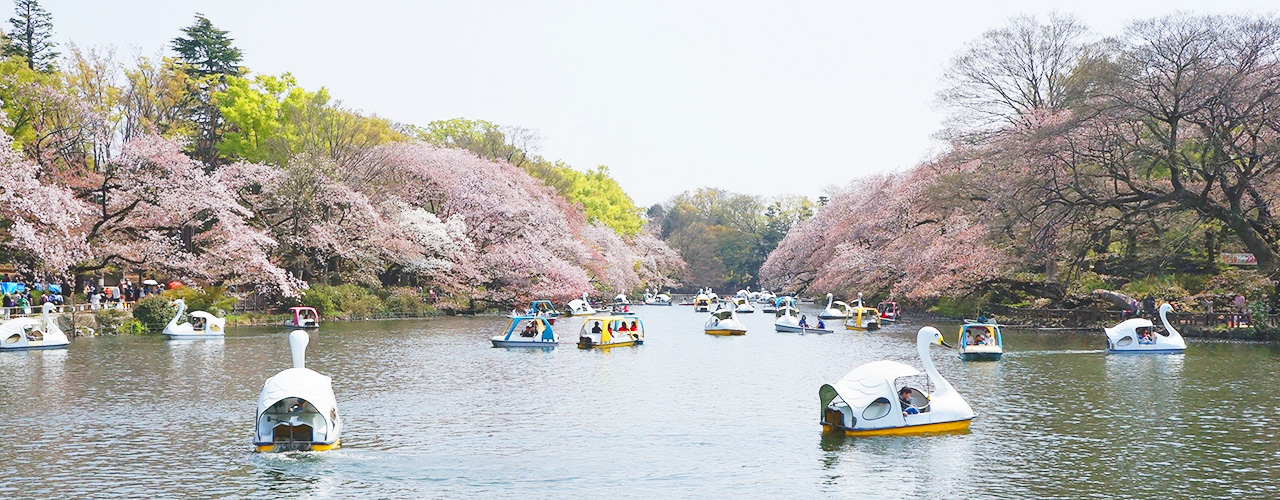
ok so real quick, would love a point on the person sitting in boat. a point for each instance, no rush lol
(1144, 335)
(595, 328)
(904, 398)
(821, 325)
(804, 321)
(529, 330)
(634, 328)
(976, 340)
(989, 340)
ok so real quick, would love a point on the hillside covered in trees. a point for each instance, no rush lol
(1075, 162)
(190, 166)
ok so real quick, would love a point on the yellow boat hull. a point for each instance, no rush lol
(726, 332)
(268, 448)
(958, 425)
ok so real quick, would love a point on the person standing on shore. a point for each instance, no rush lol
(1240, 304)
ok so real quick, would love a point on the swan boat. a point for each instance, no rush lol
(599, 332)
(660, 299)
(889, 311)
(580, 307)
(724, 322)
(835, 310)
(1138, 335)
(621, 299)
(537, 332)
(25, 334)
(981, 342)
(210, 326)
(297, 410)
(787, 319)
(866, 402)
(743, 306)
(303, 317)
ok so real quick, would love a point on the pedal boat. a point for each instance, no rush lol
(580, 307)
(724, 322)
(303, 317)
(990, 348)
(660, 299)
(297, 410)
(863, 318)
(787, 320)
(835, 310)
(865, 402)
(1138, 335)
(210, 326)
(612, 333)
(537, 332)
(889, 311)
(540, 308)
(702, 303)
(743, 306)
(26, 334)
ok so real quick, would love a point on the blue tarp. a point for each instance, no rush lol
(12, 286)
(55, 288)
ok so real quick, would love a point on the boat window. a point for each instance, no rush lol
(13, 339)
(877, 409)
(1124, 341)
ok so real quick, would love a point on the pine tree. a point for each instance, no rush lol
(207, 50)
(206, 55)
(32, 35)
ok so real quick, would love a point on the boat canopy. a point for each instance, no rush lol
(610, 324)
(785, 311)
(865, 384)
(969, 330)
(301, 383)
(540, 325)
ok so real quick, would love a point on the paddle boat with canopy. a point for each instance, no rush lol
(980, 342)
(660, 299)
(862, 318)
(873, 400)
(724, 322)
(528, 331)
(889, 310)
(25, 334)
(303, 317)
(205, 325)
(743, 306)
(621, 299)
(540, 308)
(1138, 335)
(835, 310)
(580, 307)
(297, 410)
(599, 332)
(702, 303)
(787, 319)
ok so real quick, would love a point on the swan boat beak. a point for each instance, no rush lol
(943, 342)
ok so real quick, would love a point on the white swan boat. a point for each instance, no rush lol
(787, 319)
(1138, 335)
(660, 299)
(297, 410)
(537, 332)
(24, 334)
(981, 342)
(724, 322)
(580, 307)
(303, 317)
(743, 306)
(835, 310)
(621, 299)
(869, 402)
(210, 326)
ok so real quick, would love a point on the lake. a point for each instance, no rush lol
(432, 411)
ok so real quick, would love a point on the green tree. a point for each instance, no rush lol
(206, 55)
(31, 37)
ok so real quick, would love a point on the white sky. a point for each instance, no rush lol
(755, 97)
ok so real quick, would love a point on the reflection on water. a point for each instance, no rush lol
(433, 411)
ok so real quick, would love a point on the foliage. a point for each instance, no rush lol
(406, 300)
(31, 36)
(118, 321)
(154, 311)
(348, 299)
(207, 50)
(212, 299)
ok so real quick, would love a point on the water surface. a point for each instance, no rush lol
(433, 412)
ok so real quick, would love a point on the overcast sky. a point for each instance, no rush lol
(756, 97)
